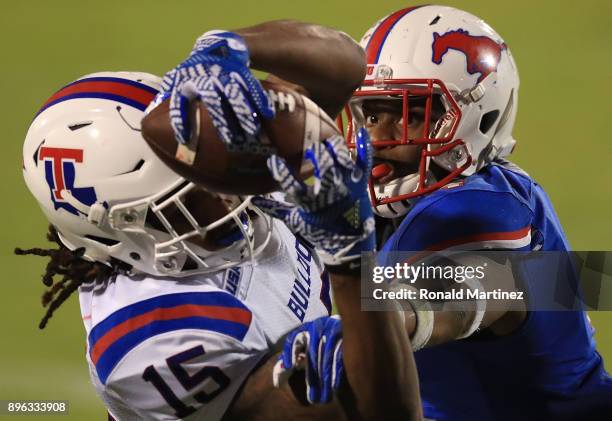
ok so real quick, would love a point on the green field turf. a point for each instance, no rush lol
(563, 49)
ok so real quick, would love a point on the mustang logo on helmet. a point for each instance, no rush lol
(60, 173)
(482, 53)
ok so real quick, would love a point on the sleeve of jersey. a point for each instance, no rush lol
(468, 220)
(177, 356)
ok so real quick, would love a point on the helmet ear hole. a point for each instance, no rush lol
(488, 120)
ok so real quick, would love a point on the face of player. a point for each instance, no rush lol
(384, 121)
(206, 208)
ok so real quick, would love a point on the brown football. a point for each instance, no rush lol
(206, 160)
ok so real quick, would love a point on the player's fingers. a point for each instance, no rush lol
(284, 176)
(328, 184)
(280, 375)
(364, 152)
(333, 331)
(338, 150)
(295, 345)
(337, 160)
(258, 95)
(186, 89)
(326, 367)
(313, 371)
(211, 94)
(327, 391)
(179, 113)
(331, 182)
(236, 95)
(290, 344)
(301, 343)
(310, 154)
(325, 156)
(168, 80)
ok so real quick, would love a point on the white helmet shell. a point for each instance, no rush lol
(96, 180)
(457, 53)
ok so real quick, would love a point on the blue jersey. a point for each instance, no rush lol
(548, 369)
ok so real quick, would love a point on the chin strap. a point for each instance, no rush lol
(399, 186)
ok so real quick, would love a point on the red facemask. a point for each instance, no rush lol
(434, 140)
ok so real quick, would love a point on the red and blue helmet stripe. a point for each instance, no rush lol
(125, 91)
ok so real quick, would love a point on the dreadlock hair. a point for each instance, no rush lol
(74, 270)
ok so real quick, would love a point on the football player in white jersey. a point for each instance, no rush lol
(184, 292)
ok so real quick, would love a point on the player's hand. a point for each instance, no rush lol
(332, 210)
(316, 347)
(217, 73)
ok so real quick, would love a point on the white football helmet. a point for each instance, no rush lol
(104, 190)
(450, 56)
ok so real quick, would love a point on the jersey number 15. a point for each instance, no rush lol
(188, 381)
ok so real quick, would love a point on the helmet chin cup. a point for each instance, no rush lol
(396, 187)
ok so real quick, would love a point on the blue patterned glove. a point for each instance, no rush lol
(217, 73)
(316, 346)
(332, 210)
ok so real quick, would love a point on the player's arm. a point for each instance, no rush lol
(480, 229)
(432, 324)
(377, 356)
(260, 400)
(334, 214)
(217, 72)
(328, 63)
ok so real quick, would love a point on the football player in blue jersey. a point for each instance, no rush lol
(439, 102)
(184, 292)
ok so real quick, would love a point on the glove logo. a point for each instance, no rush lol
(352, 216)
(482, 54)
(60, 171)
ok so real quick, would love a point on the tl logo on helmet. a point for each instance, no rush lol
(482, 54)
(60, 173)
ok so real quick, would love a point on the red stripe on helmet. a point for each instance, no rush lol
(132, 92)
(381, 32)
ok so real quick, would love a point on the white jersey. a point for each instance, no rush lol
(172, 348)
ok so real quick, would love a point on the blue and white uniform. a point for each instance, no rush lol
(548, 369)
(163, 349)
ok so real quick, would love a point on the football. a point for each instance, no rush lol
(206, 160)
